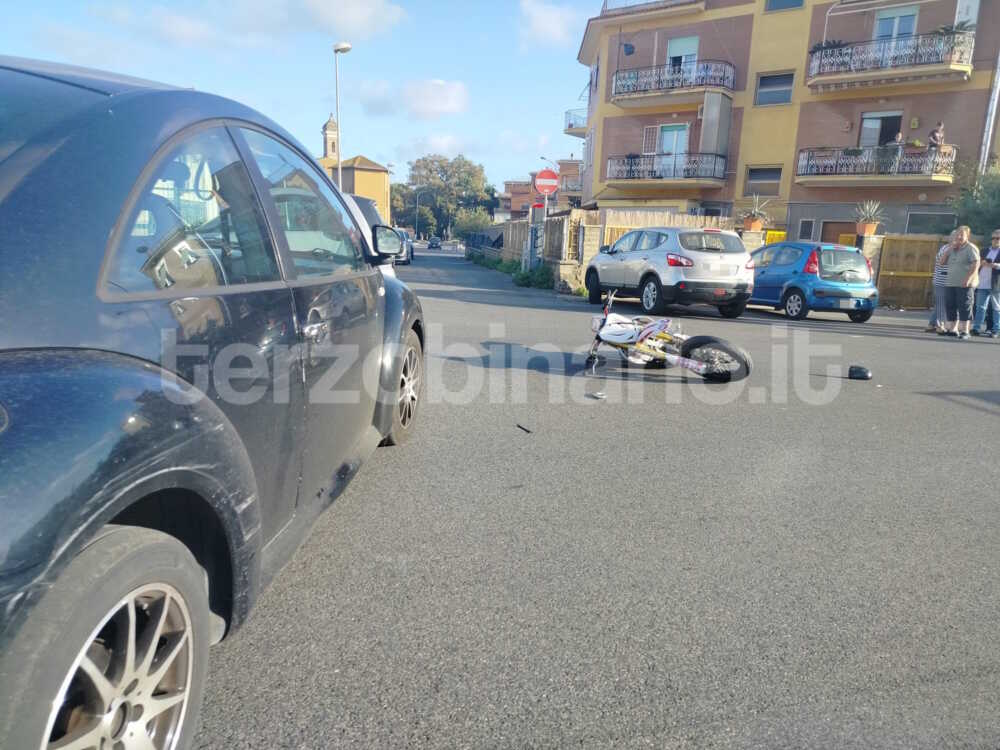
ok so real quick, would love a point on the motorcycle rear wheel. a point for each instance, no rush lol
(727, 362)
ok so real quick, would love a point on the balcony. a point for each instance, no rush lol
(571, 185)
(622, 7)
(679, 170)
(890, 62)
(671, 84)
(876, 166)
(576, 123)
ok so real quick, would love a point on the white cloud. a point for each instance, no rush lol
(378, 98)
(550, 24)
(433, 99)
(360, 19)
(445, 144)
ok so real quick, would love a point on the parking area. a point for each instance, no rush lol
(783, 562)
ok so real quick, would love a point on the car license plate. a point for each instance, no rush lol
(847, 304)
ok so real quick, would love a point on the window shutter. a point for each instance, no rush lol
(649, 139)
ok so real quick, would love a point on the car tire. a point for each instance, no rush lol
(794, 304)
(651, 296)
(409, 392)
(593, 288)
(860, 316)
(130, 590)
(733, 309)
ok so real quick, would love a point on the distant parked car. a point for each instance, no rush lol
(801, 276)
(434, 243)
(672, 265)
(407, 256)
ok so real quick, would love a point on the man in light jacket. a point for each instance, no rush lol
(988, 293)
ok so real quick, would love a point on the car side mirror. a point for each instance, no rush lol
(606, 249)
(387, 240)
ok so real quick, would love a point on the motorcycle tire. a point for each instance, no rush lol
(701, 349)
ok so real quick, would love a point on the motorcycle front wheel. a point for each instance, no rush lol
(726, 362)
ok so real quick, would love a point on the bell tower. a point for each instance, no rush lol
(331, 140)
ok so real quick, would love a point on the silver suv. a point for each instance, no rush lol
(671, 265)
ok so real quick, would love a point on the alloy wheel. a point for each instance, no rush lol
(793, 305)
(128, 687)
(409, 387)
(649, 296)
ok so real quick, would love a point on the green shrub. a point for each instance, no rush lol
(522, 278)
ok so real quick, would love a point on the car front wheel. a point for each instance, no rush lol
(115, 653)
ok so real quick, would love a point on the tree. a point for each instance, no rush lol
(978, 200)
(428, 222)
(470, 221)
(446, 185)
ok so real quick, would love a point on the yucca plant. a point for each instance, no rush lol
(869, 212)
(756, 211)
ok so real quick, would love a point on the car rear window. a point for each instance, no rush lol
(843, 264)
(712, 242)
(30, 106)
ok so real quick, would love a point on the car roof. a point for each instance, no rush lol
(806, 245)
(710, 230)
(99, 81)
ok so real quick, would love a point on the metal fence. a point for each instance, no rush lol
(877, 160)
(923, 49)
(669, 77)
(667, 167)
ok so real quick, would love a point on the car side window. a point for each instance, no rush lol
(650, 241)
(196, 224)
(322, 237)
(763, 258)
(626, 243)
(787, 255)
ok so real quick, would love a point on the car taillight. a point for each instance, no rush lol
(750, 265)
(679, 260)
(871, 272)
(812, 265)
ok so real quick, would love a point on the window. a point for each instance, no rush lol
(879, 128)
(626, 243)
(196, 224)
(930, 223)
(682, 52)
(650, 241)
(806, 229)
(774, 89)
(762, 181)
(321, 235)
(709, 241)
(782, 4)
(763, 258)
(893, 23)
(787, 255)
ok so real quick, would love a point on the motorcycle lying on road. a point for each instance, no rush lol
(658, 342)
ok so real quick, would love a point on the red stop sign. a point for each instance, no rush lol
(546, 182)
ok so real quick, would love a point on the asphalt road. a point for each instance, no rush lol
(677, 565)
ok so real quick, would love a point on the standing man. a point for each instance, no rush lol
(939, 310)
(988, 293)
(962, 260)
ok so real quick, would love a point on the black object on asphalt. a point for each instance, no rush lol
(857, 372)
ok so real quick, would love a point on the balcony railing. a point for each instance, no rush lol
(572, 184)
(671, 77)
(614, 7)
(878, 160)
(901, 52)
(667, 167)
(576, 118)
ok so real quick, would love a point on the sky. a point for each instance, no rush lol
(490, 80)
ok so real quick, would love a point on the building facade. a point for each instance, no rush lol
(698, 105)
(362, 176)
(570, 193)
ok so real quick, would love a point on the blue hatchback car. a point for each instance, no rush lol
(801, 276)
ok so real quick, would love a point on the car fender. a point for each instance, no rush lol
(89, 433)
(402, 313)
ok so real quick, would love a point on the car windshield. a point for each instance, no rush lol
(843, 264)
(712, 242)
(31, 105)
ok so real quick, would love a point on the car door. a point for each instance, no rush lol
(613, 270)
(762, 262)
(199, 262)
(338, 299)
(784, 267)
(637, 260)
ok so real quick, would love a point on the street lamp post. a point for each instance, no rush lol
(416, 214)
(340, 48)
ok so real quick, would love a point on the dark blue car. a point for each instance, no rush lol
(798, 277)
(198, 351)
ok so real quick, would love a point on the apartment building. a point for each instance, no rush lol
(570, 193)
(697, 105)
